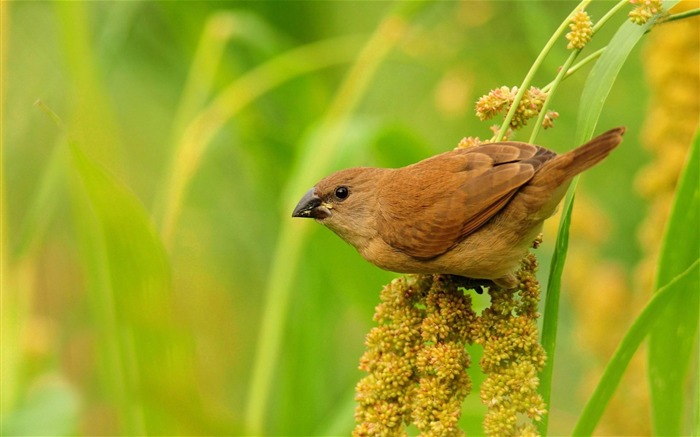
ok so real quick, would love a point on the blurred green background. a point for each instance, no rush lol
(153, 279)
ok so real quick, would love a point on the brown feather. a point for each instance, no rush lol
(481, 181)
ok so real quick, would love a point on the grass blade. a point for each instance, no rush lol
(220, 30)
(603, 75)
(641, 327)
(674, 337)
(551, 306)
(595, 92)
(146, 359)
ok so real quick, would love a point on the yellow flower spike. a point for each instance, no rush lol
(644, 10)
(581, 31)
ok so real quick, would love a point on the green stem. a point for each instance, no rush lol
(679, 16)
(604, 19)
(551, 313)
(590, 58)
(552, 89)
(535, 66)
(565, 71)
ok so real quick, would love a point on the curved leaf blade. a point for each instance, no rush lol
(146, 357)
(641, 327)
(596, 90)
(674, 337)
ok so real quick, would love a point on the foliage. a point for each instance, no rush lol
(152, 280)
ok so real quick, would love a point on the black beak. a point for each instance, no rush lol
(308, 206)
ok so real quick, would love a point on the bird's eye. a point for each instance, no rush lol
(342, 193)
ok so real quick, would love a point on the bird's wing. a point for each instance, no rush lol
(428, 207)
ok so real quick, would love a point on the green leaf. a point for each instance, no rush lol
(642, 326)
(550, 321)
(674, 337)
(603, 74)
(595, 92)
(146, 358)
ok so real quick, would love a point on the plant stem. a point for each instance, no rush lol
(592, 57)
(604, 19)
(679, 16)
(552, 89)
(565, 71)
(550, 319)
(535, 66)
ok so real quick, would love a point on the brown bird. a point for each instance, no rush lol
(470, 212)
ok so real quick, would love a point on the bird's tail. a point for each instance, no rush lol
(584, 157)
(544, 191)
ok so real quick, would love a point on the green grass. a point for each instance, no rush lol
(152, 280)
(673, 341)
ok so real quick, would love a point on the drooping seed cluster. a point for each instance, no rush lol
(415, 359)
(417, 363)
(512, 357)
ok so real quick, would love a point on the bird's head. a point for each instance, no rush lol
(345, 202)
